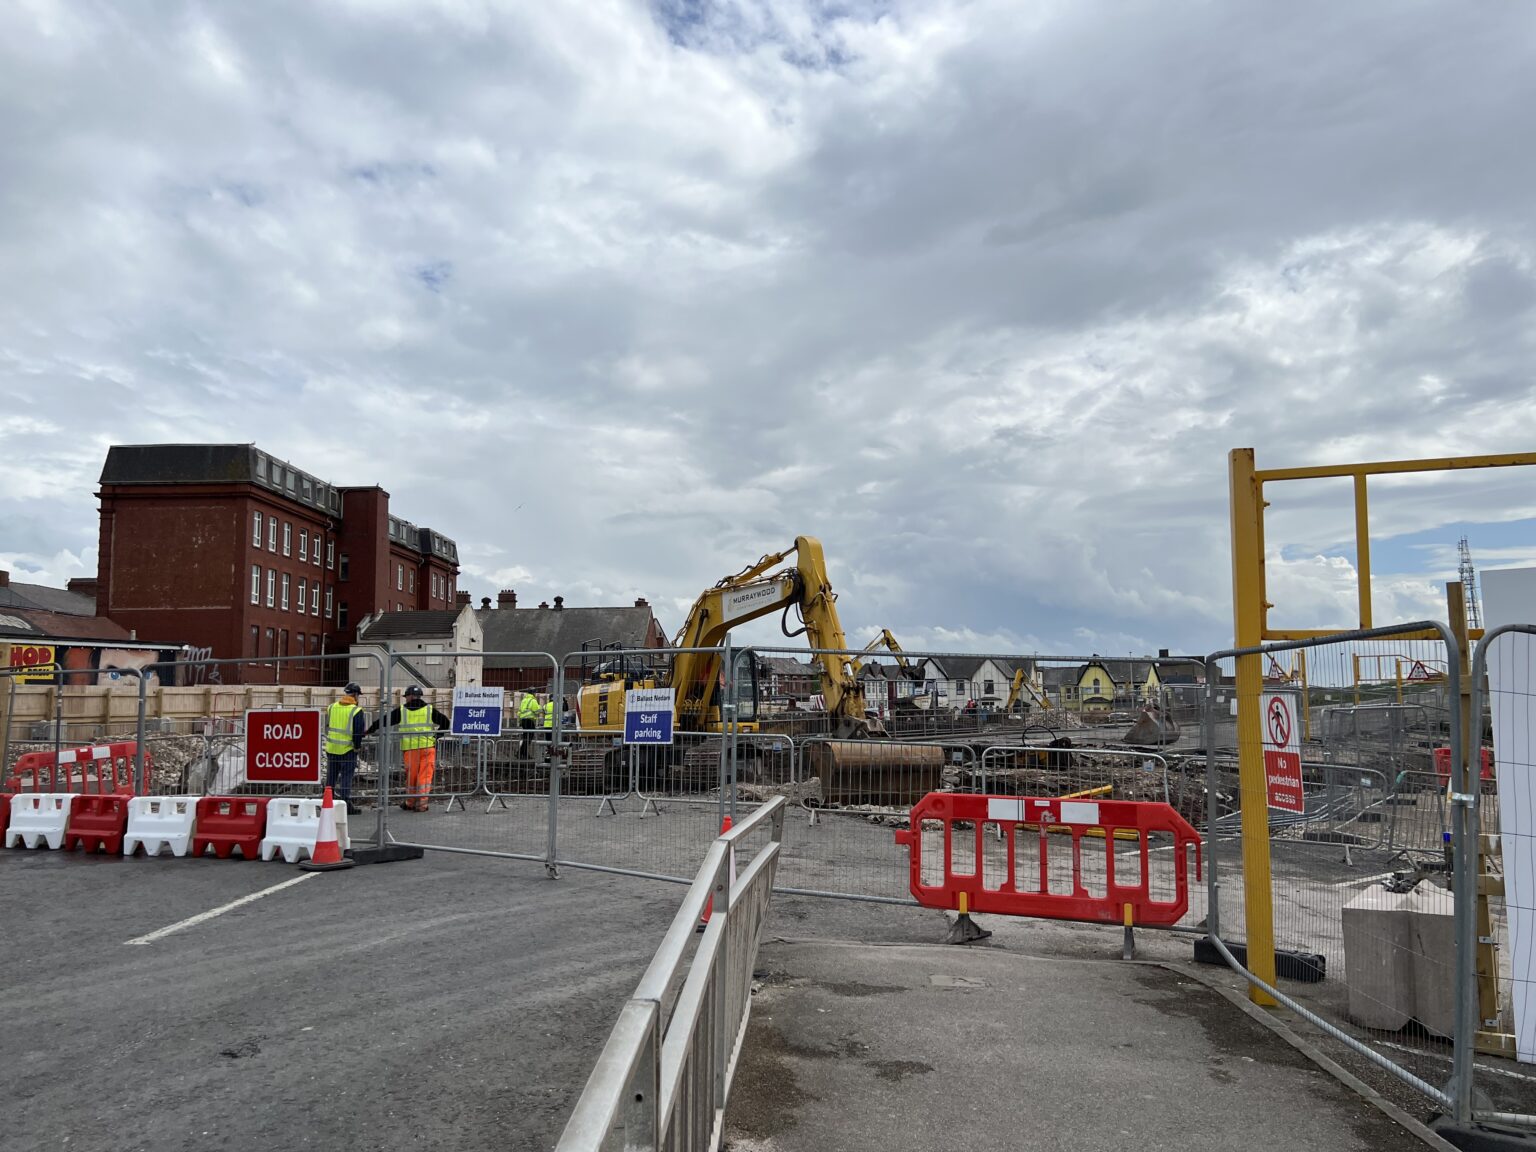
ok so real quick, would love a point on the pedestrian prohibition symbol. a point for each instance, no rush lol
(1282, 753)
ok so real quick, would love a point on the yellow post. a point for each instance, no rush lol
(1248, 611)
(1363, 550)
(1306, 696)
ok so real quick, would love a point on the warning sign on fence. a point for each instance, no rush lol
(1282, 752)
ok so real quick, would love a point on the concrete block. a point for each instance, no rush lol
(1400, 957)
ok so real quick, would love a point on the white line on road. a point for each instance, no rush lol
(192, 921)
(1365, 880)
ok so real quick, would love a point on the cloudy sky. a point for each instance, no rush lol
(621, 296)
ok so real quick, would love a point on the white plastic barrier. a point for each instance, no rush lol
(158, 822)
(38, 817)
(293, 822)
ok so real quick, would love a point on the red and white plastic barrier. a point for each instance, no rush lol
(293, 824)
(38, 818)
(97, 824)
(1093, 826)
(225, 823)
(160, 822)
(95, 769)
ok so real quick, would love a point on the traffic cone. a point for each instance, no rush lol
(725, 826)
(327, 855)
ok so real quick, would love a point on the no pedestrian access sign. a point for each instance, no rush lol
(1282, 752)
(648, 716)
(477, 711)
(282, 745)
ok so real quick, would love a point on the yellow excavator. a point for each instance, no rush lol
(697, 679)
(1022, 689)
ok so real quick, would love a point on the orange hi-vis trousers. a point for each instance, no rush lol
(420, 766)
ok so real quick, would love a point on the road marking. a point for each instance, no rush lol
(1365, 880)
(193, 921)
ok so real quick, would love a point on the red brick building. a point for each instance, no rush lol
(239, 554)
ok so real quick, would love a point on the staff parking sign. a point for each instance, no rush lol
(648, 716)
(476, 711)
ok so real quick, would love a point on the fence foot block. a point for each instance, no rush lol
(1303, 967)
(965, 930)
(388, 854)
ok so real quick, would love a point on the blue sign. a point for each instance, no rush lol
(476, 712)
(648, 716)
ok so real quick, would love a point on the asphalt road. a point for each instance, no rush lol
(450, 1002)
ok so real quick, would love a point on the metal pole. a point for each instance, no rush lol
(385, 666)
(58, 720)
(730, 687)
(724, 800)
(5, 741)
(552, 831)
(139, 734)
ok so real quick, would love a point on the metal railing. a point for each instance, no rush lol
(664, 1076)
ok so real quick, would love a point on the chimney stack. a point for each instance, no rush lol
(559, 603)
(642, 602)
(543, 603)
(462, 599)
(506, 598)
(82, 585)
(485, 602)
(5, 578)
(1162, 653)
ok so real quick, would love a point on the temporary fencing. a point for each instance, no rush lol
(664, 1077)
(1329, 843)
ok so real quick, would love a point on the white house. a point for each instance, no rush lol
(955, 680)
(420, 641)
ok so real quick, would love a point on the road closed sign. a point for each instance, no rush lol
(648, 716)
(1282, 752)
(282, 745)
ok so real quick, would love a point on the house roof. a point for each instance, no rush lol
(409, 625)
(966, 667)
(35, 624)
(560, 632)
(40, 596)
(788, 666)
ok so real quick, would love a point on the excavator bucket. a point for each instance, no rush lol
(1152, 727)
(860, 772)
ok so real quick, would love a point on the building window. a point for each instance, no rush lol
(286, 579)
(330, 553)
(399, 577)
(271, 588)
(271, 643)
(303, 596)
(287, 538)
(410, 584)
(293, 482)
(298, 643)
(271, 533)
(328, 593)
(314, 644)
(399, 607)
(282, 641)
(256, 530)
(255, 583)
(987, 689)
(309, 489)
(303, 545)
(255, 640)
(315, 559)
(261, 474)
(341, 616)
(345, 567)
(314, 599)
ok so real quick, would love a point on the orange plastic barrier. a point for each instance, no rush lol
(1092, 825)
(91, 769)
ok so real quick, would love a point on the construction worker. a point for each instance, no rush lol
(549, 711)
(344, 724)
(528, 715)
(418, 725)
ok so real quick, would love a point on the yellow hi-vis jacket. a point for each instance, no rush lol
(549, 712)
(416, 729)
(338, 729)
(528, 707)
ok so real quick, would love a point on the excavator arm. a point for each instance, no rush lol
(1022, 687)
(751, 594)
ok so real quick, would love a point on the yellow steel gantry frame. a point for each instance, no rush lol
(1250, 618)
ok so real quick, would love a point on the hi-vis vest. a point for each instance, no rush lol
(338, 729)
(528, 707)
(549, 712)
(416, 729)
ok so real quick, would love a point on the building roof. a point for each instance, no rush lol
(966, 667)
(788, 666)
(561, 631)
(36, 624)
(409, 626)
(40, 596)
